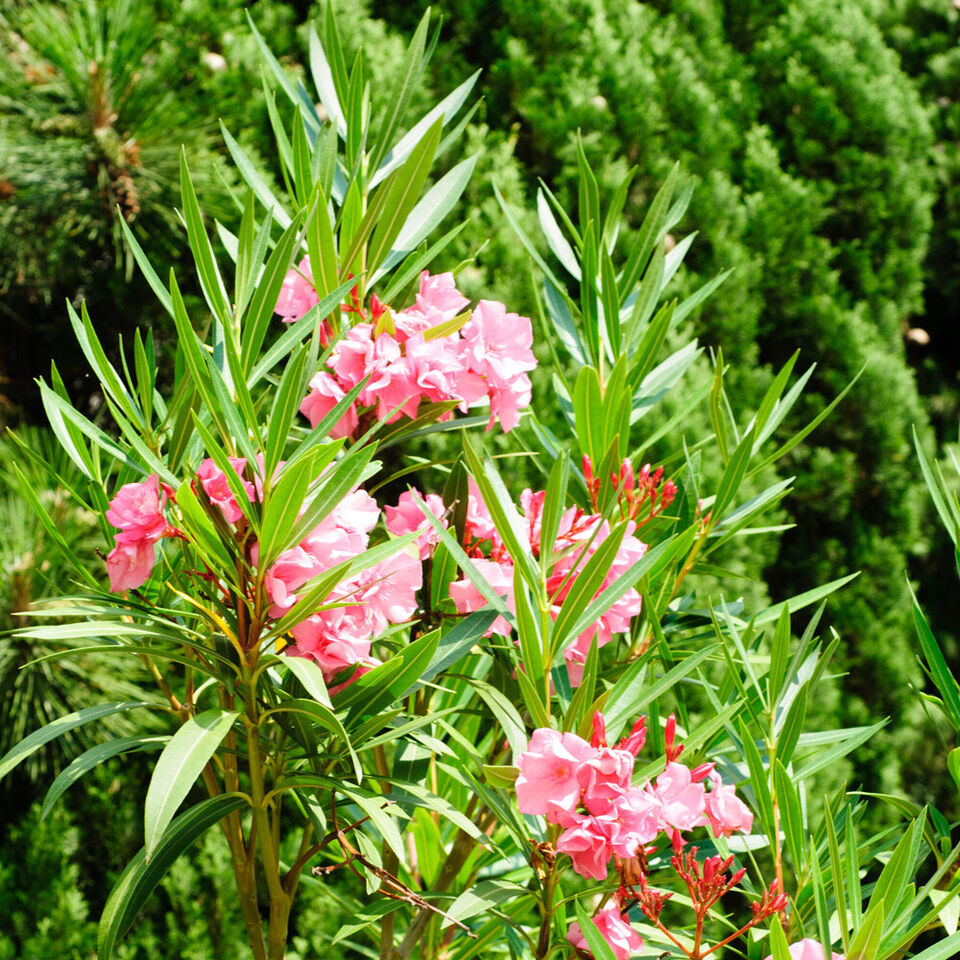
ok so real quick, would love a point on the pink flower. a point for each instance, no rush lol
(439, 299)
(340, 636)
(467, 597)
(588, 845)
(496, 346)
(333, 638)
(548, 772)
(214, 482)
(638, 821)
(624, 941)
(406, 517)
(388, 590)
(297, 295)
(129, 564)
(479, 525)
(726, 811)
(292, 569)
(435, 365)
(682, 800)
(137, 509)
(808, 950)
(392, 378)
(604, 777)
(341, 535)
(325, 393)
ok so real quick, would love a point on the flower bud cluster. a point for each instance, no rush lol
(640, 497)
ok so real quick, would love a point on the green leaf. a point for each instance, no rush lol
(178, 767)
(109, 378)
(588, 414)
(807, 430)
(483, 895)
(941, 674)
(649, 233)
(510, 525)
(866, 941)
(253, 179)
(611, 301)
(455, 644)
(286, 403)
(819, 761)
(503, 777)
(759, 779)
(444, 111)
(943, 499)
(651, 564)
(555, 238)
(791, 816)
(284, 501)
(586, 584)
(802, 600)
(266, 292)
(900, 869)
(311, 676)
(427, 215)
(160, 291)
(140, 878)
(297, 332)
(402, 92)
(360, 920)
(201, 528)
(778, 941)
(68, 552)
(323, 715)
(376, 809)
(92, 758)
(210, 281)
(598, 945)
(59, 411)
(633, 691)
(589, 308)
(943, 950)
(58, 727)
(402, 190)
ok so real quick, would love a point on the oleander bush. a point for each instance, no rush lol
(424, 708)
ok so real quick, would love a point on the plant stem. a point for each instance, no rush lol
(451, 867)
(390, 863)
(269, 849)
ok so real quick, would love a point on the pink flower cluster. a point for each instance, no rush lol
(586, 789)
(137, 510)
(360, 606)
(578, 537)
(420, 354)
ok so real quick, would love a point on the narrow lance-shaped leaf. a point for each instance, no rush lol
(57, 728)
(92, 758)
(178, 767)
(210, 281)
(140, 877)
